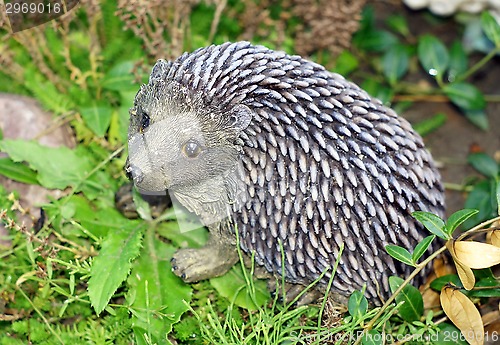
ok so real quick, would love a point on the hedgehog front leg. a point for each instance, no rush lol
(212, 260)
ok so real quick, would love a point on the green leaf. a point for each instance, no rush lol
(465, 96)
(374, 40)
(65, 167)
(377, 90)
(120, 77)
(413, 306)
(482, 197)
(395, 63)
(448, 335)
(438, 283)
(432, 223)
(97, 118)
(457, 218)
(421, 248)
(357, 305)
(484, 164)
(372, 337)
(400, 254)
(478, 118)
(346, 63)
(398, 24)
(157, 297)
(113, 264)
(458, 60)
(429, 125)
(233, 286)
(490, 27)
(17, 171)
(433, 55)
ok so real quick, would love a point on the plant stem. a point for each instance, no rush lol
(479, 64)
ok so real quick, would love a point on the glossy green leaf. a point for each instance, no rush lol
(421, 248)
(432, 223)
(433, 55)
(65, 167)
(413, 307)
(438, 283)
(484, 164)
(233, 286)
(357, 304)
(458, 60)
(490, 27)
(97, 118)
(465, 95)
(400, 254)
(17, 171)
(395, 63)
(112, 266)
(457, 218)
(156, 296)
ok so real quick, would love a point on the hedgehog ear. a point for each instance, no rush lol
(240, 117)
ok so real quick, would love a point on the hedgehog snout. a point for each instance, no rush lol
(134, 173)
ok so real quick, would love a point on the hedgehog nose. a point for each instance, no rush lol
(134, 173)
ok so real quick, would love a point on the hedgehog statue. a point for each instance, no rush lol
(294, 158)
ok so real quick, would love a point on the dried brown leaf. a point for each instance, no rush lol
(476, 254)
(495, 238)
(464, 272)
(464, 314)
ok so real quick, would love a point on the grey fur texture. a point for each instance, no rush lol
(285, 151)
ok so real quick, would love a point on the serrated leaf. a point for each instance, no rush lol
(457, 218)
(422, 247)
(413, 306)
(465, 96)
(357, 304)
(395, 63)
(484, 164)
(232, 286)
(155, 294)
(477, 255)
(400, 254)
(17, 171)
(432, 223)
(120, 77)
(97, 118)
(433, 55)
(112, 266)
(464, 272)
(464, 314)
(490, 27)
(65, 167)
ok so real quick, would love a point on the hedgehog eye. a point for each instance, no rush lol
(144, 121)
(191, 149)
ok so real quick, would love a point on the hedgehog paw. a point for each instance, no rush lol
(193, 265)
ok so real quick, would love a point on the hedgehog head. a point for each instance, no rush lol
(176, 139)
